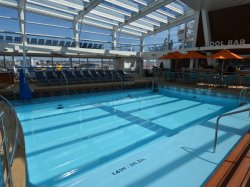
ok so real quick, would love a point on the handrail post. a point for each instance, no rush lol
(217, 124)
(67, 83)
(216, 134)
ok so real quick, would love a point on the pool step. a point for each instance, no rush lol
(235, 170)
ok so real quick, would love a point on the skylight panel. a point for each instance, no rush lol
(135, 29)
(67, 3)
(114, 10)
(39, 10)
(142, 25)
(97, 24)
(141, 2)
(52, 7)
(125, 4)
(107, 14)
(98, 18)
(9, 3)
(174, 8)
(158, 17)
(151, 22)
(166, 13)
(127, 31)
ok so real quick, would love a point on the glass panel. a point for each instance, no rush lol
(95, 63)
(9, 24)
(2, 66)
(189, 34)
(19, 61)
(44, 62)
(83, 63)
(177, 37)
(63, 61)
(9, 62)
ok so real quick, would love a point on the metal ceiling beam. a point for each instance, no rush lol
(90, 6)
(182, 19)
(155, 5)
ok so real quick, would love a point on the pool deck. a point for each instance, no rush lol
(156, 167)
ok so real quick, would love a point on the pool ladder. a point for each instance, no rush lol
(218, 120)
(7, 154)
(156, 80)
(242, 97)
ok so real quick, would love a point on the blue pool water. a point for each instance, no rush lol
(71, 139)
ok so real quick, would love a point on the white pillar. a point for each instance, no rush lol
(76, 33)
(22, 28)
(206, 27)
(142, 44)
(207, 33)
(196, 27)
(114, 39)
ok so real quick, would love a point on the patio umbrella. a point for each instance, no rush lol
(193, 55)
(171, 56)
(247, 57)
(224, 55)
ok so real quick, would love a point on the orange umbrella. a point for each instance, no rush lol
(247, 57)
(225, 54)
(193, 55)
(171, 55)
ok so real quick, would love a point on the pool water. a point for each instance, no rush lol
(69, 138)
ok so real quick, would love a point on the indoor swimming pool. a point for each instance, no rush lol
(132, 138)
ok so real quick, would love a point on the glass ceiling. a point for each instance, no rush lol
(135, 17)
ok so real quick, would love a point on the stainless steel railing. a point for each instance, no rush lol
(218, 120)
(13, 112)
(4, 150)
(67, 83)
(242, 96)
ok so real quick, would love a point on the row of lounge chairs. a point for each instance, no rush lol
(79, 76)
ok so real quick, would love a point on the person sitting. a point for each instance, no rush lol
(230, 68)
(58, 67)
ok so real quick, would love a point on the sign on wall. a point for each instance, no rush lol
(229, 42)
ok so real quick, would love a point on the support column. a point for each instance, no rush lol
(76, 33)
(196, 27)
(142, 44)
(114, 40)
(207, 33)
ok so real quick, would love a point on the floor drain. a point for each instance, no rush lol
(59, 106)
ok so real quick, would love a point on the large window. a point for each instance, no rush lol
(44, 25)
(63, 61)
(95, 63)
(41, 62)
(9, 62)
(174, 38)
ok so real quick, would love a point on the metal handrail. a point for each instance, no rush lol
(217, 124)
(67, 83)
(4, 146)
(243, 94)
(17, 128)
(121, 80)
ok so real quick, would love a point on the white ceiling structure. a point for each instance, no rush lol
(135, 17)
